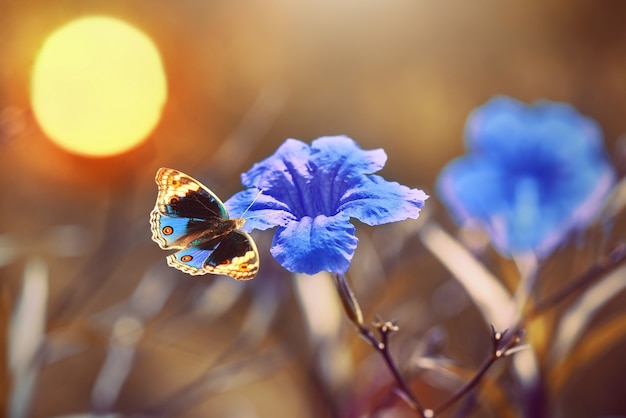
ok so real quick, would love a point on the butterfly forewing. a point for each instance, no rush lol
(182, 196)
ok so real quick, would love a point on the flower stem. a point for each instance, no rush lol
(350, 304)
(353, 310)
(504, 343)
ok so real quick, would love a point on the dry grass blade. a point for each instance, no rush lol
(26, 335)
(491, 297)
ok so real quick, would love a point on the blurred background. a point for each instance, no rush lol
(95, 321)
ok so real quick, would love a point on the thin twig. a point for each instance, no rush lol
(353, 310)
(507, 346)
(502, 345)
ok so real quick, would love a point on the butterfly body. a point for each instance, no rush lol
(190, 218)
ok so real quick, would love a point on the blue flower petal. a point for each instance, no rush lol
(340, 157)
(505, 128)
(472, 189)
(310, 180)
(336, 163)
(289, 161)
(375, 201)
(284, 175)
(311, 245)
(518, 213)
(311, 192)
(261, 211)
(575, 206)
(534, 174)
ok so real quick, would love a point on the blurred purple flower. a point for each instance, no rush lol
(311, 192)
(532, 175)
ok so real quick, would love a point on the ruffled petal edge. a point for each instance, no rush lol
(375, 201)
(311, 245)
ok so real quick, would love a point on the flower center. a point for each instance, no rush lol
(545, 171)
(316, 193)
(526, 203)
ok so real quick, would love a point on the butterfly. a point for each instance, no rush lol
(190, 218)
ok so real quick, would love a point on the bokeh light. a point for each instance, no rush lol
(98, 86)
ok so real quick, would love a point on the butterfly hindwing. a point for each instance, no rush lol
(234, 255)
(189, 217)
(190, 260)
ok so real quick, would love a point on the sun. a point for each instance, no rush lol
(98, 86)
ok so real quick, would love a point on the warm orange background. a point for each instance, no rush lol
(242, 77)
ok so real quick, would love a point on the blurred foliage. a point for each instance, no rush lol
(122, 333)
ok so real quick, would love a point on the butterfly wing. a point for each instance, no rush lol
(167, 231)
(182, 203)
(189, 217)
(234, 254)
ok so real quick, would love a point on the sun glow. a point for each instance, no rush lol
(98, 86)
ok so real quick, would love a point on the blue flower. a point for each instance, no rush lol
(533, 174)
(311, 192)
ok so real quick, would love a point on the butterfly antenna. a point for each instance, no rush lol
(252, 203)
